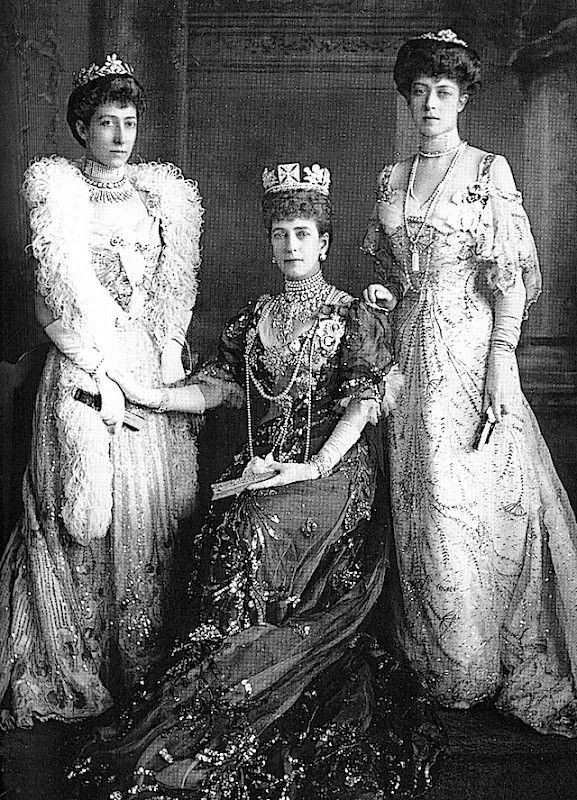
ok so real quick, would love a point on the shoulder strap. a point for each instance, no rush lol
(384, 182)
(485, 167)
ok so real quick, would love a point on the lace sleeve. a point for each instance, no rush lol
(376, 242)
(365, 356)
(505, 242)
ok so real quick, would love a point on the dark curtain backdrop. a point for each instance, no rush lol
(234, 85)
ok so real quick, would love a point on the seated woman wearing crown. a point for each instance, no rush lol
(85, 578)
(279, 692)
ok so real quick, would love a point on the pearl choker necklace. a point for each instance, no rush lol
(305, 289)
(439, 153)
(297, 304)
(106, 184)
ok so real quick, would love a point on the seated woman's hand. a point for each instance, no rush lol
(134, 391)
(379, 297)
(218, 392)
(286, 472)
(112, 409)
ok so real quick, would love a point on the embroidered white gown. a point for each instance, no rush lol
(86, 576)
(486, 540)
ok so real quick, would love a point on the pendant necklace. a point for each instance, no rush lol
(432, 203)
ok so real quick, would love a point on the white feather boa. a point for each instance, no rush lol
(60, 221)
(60, 218)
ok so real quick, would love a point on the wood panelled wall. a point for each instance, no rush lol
(237, 84)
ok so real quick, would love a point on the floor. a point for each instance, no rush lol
(488, 757)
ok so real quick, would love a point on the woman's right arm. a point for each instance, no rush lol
(194, 398)
(86, 357)
(217, 383)
(384, 294)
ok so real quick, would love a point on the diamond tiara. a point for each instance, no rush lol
(112, 66)
(447, 36)
(285, 177)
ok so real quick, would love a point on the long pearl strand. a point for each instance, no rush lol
(282, 398)
(432, 203)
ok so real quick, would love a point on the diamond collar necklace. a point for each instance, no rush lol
(297, 304)
(106, 184)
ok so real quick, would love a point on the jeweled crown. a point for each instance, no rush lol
(112, 66)
(447, 36)
(285, 177)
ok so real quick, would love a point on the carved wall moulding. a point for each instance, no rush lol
(298, 42)
(555, 48)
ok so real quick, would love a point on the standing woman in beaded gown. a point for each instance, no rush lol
(486, 539)
(84, 581)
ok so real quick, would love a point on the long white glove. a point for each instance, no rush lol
(181, 398)
(171, 367)
(345, 434)
(71, 344)
(502, 381)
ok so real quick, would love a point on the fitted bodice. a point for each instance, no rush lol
(125, 246)
(448, 258)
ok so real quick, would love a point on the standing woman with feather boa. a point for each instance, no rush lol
(85, 576)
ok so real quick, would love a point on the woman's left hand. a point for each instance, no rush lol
(287, 472)
(501, 383)
(134, 391)
(171, 368)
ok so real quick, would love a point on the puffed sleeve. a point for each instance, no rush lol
(504, 241)
(365, 357)
(376, 242)
(228, 365)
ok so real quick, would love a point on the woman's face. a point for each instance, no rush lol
(435, 105)
(297, 247)
(110, 135)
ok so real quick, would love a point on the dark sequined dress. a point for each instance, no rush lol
(282, 692)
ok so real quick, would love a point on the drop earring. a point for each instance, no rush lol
(323, 257)
(273, 260)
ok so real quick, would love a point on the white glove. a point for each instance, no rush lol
(171, 368)
(394, 382)
(71, 344)
(502, 380)
(379, 297)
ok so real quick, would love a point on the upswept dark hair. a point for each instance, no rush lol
(294, 203)
(437, 59)
(84, 100)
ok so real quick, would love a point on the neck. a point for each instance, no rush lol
(315, 276)
(94, 169)
(297, 285)
(439, 143)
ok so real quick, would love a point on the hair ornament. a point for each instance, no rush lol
(447, 36)
(286, 177)
(112, 66)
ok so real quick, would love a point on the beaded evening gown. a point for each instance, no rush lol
(279, 693)
(486, 540)
(86, 576)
